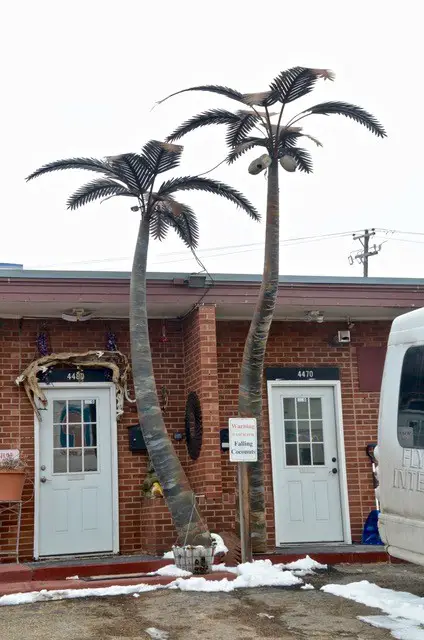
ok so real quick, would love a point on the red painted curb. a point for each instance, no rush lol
(334, 557)
(96, 569)
(54, 585)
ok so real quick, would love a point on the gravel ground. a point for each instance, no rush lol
(242, 615)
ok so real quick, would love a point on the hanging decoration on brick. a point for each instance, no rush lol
(193, 425)
(115, 361)
(111, 345)
(111, 342)
(42, 341)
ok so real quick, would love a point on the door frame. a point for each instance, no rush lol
(114, 459)
(338, 415)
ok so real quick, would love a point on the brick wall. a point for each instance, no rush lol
(202, 355)
(18, 349)
(303, 345)
(200, 360)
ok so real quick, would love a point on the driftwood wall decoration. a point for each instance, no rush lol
(116, 361)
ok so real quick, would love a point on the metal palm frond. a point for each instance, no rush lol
(184, 222)
(302, 158)
(197, 183)
(212, 116)
(233, 94)
(241, 127)
(293, 83)
(88, 164)
(161, 156)
(246, 145)
(96, 189)
(159, 223)
(136, 172)
(348, 110)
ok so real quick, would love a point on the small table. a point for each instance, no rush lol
(13, 506)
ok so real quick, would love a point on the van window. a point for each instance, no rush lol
(410, 428)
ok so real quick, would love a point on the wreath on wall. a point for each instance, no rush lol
(193, 425)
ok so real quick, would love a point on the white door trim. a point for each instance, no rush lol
(114, 458)
(344, 496)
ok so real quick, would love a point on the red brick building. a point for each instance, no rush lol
(321, 397)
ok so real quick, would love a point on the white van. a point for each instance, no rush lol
(400, 451)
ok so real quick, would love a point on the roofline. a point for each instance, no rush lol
(227, 278)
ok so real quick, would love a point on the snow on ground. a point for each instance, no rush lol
(305, 564)
(157, 634)
(260, 573)
(405, 612)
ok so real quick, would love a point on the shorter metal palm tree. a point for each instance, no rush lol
(259, 123)
(134, 176)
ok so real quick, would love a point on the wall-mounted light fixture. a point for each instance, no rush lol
(76, 315)
(314, 316)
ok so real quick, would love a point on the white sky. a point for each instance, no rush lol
(79, 79)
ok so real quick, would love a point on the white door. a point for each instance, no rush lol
(75, 496)
(305, 465)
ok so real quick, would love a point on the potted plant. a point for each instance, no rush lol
(12, 477)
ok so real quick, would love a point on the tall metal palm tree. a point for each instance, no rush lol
(134, 175)
(260, 123)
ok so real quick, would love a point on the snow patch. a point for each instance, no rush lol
(70, 594)
(168, 555)
(157, 634)
(220, 545)
(307, 587)
(173, 571)
(260, 573)
(305, 564)
(405, 612)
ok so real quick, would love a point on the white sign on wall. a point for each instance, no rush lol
(7, 454)
(243, 439)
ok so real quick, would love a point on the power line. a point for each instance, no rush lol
(252, 247)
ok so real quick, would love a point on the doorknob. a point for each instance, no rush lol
(334, 470)
(43, 479)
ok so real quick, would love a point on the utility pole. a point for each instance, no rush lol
(362, 256)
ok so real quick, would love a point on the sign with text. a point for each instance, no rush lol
(243, 439)
(9, 454)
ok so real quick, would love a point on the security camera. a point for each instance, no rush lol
(343, 337)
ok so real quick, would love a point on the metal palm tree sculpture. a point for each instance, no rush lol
(260, 123)
(134, 176)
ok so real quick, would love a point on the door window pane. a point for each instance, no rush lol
(315, 408)
(318, 453)
(60, 460)
(316, 429)
(90, 459)
(305, 454)
(75, 460)
(289, 411)
(59, 411)
(303, 431)
(291, 455)
(302, 406)
(290, 430)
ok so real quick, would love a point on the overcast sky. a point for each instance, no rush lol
(80, 78)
